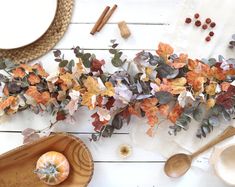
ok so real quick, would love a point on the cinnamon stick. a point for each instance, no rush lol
(98, 22)
(106, 18)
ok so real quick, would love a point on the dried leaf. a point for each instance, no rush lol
(164, 50)
(33, 79)
(210, 103)
(150, 109)
(108, 131)
(117, 122)
(97, 123)
(18, 73)
(211, 88)
(164, 109)
(60, 115)
(164, 97)
(7, 102)
(67, 79)
(92, 85)
(180, 62)
(109, 91)
(40, 70)
(96, 65)
(42, 98)
(166, 71)
(175, 113)
(214, 121)
(104, 114)
(225, 86)
(198, 113)
(89, 100)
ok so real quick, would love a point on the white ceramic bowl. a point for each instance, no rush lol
(24, 21)
(223, 161)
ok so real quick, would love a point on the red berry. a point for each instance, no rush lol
(212, 25)
(208, 38)
(196, 15)
(198, 23)
(188, 20)
(208, 20)
(204, 26)
(211, 33)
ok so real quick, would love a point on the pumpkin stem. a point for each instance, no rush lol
(48, 170)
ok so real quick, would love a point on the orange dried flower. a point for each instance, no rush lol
(7, 102)
(180, 62)
(40, 70)
(164, 50)
(150, 109)
(225, 86)
(18, 73)
(175, 113)
(42, 98)
(33, 79)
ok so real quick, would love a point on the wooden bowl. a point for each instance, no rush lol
(223, 162)
(17, 166)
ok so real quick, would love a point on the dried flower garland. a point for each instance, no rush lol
(175, 87)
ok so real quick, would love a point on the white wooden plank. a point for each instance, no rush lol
(106, 149)
(143, 36)
(148, 175)
(133, 11)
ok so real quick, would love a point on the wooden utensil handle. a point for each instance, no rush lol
(230, 131)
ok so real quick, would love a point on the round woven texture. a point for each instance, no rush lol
(47, 41)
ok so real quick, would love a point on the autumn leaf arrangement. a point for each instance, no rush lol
(164, 86)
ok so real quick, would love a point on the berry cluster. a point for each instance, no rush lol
(208, 24)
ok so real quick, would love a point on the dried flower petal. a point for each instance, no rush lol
(164, 50)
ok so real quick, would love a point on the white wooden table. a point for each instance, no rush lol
(149, 21)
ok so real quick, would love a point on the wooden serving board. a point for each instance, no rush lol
(17, 166)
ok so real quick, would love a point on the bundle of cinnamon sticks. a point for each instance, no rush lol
(103, 19)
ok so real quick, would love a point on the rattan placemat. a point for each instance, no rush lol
(47, 41)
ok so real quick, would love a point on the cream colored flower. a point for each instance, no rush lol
(125, 151)
(104, 114)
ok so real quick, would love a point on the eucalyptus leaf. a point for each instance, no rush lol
(117, 122)
(214, 121)
(94, 137)
(63, 63)
(216, 110)
(112, 51)
(114, 45)
(198, 114)
(3, 78)
(86, 62)
(226, 115)
(117, 62)
(70, 65)
(166, 71)
(9, 63)
(112, 41)
(221, 58)
(184, 120)
(57, 53)
(211, 61)
(108, 131)
(164, 97)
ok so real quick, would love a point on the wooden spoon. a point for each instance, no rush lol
(178, 164)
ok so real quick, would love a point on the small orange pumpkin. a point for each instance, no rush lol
(52, 168)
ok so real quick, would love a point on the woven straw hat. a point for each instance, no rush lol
(47, 41)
